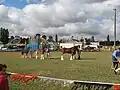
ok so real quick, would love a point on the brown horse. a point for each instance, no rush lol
(71, 51)
(42, 51)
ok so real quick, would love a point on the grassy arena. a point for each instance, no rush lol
(94, 66)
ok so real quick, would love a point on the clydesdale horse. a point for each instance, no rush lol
(71, 51)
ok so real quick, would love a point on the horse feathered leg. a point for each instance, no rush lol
(25, 56)
(42, 57)
(36, 54)
(79, 57)
(71, 58)
(62, 57)
(22, 56)
(48, 55)
(36, 57)
(74, 57)
(79, 54)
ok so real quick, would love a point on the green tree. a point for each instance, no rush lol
(56, 38)
(108, 38)
(4, 35)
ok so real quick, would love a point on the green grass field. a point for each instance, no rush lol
(93, 66)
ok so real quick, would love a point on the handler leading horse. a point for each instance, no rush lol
(71, 51)
(29, 50)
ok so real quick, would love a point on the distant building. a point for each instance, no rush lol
(95, 43)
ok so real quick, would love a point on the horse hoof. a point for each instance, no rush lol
(78, 58)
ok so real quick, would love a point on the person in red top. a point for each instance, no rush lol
(3, 78)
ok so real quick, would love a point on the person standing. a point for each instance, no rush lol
(116, 60)
(3, 78)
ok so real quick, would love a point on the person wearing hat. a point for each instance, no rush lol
(116, 60)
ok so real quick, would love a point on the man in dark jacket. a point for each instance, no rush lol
(3, 78)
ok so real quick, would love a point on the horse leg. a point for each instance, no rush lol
(36, 56)
(25, 56)
(74, 57)
(79, 57)
(71, 57)
(48, 55)
(22, 56)
(42, 56)
(79, 53)
(62, 58)
(30, 54)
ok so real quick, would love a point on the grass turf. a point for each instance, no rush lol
(93, 66)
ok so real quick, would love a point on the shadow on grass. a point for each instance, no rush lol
(87, 59)
(56, 58)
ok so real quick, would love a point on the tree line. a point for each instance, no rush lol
(4, 37)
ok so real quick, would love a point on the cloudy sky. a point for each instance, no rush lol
(63, 17)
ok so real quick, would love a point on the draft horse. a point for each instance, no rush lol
(71, 51)
(29, 50)
(43, 48)
(25, 52)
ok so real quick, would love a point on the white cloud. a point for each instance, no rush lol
(35, 1)
(63, 17)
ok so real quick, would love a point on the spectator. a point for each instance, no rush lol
(3, 78)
